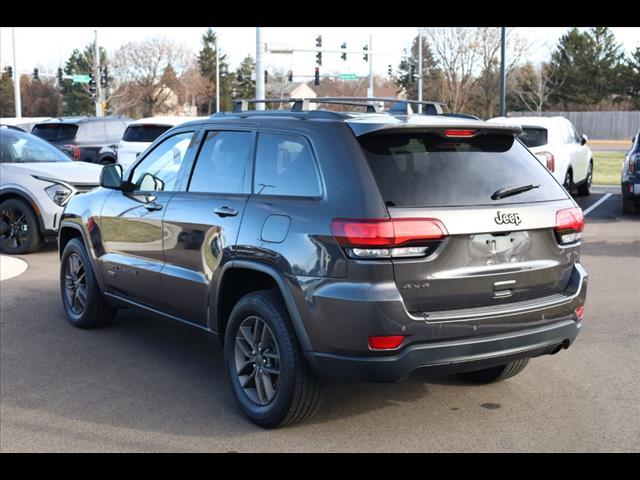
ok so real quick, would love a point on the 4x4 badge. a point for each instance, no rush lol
(505, 218)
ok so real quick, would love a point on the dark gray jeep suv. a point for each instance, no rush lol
(320, 245)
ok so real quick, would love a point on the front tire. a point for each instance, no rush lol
(19, 229)
(271, 380)
(583, 189)
(496, 374)
(82, 299)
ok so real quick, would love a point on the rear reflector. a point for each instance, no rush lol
(386, 232)
(386, 342)
(569, 225)
(459, 133)
(579, 312)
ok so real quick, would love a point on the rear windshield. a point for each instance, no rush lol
(144, 133)
(533, 136)
(55, 131)
(426, 170)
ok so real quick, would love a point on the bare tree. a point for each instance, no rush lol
(533, 85)
(142, 69)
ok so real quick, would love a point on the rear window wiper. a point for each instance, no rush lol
(509, 191)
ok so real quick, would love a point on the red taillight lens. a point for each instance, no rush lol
(459, 133)
(75, 151)
(386, 342)
(386, 232)
(632, 164)
(579, 312)
(569, 225)
(549, 159)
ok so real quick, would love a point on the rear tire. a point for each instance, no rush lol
(496, 374)
(583, 189)
(290, 396)
(629, 205)
(19, 228)
(82, 299)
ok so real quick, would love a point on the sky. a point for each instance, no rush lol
(49, 47)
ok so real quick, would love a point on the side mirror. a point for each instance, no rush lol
(111, 176)
(584, 140)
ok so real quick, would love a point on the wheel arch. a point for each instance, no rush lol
(69, 231)
(8, 193)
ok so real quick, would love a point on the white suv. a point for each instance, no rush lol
(36, 182)
(142, 133)
(557, 145)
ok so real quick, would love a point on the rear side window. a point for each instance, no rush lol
(144, 133)
(223, 163)
(115, 129)
(92, 131)
(533, 136)
(55, 131)
(427, 170)
(285, 166)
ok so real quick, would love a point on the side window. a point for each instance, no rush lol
(576, 137)
(568, 133)
(92, 131)
(159, 170)
(115, 129)
(223, 163)
(285, 166)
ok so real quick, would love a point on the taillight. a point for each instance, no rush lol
(386, 342)
(579, 311)
(632, 164)
(75, 151)
(569, 225)
(384, 238)
(549, 159)
(459, 133)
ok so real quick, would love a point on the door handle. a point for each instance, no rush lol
(151, 206)
(226, 212)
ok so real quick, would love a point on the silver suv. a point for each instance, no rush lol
(320, 245)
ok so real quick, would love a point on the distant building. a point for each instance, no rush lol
(291, 90)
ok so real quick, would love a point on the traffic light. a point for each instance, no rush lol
(35, 74)
(92, 84)
(365, 55)
(60, 76)
(343, 55)
(8, 71)
(319, 41)
(390, 71)
(239, 77)
(317, 76)
(266, 76)
(104, 77)
(319, 58)
(290, 76)
(413, 73)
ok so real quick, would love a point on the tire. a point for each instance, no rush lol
(568, 181)
(583, 190)
(629, 205)
(495, 374)
(19, 228)
(95, 311)
(295, 392)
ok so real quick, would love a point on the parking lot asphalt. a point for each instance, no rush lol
(146, 384)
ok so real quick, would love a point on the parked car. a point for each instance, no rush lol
(555, 141)
(631, 178)
(324, 245)
(88, 139)
(36, 182)
(23, 123)
(142, 133)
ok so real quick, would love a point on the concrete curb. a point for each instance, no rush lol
(11, 267)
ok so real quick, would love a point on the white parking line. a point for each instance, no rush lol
(598, 203)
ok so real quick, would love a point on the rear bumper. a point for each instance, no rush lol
(628, 184)
(448, 357)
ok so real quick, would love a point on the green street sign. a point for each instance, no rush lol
(348, 76)
(81, 79)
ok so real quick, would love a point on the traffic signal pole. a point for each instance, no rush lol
(16, 78)
(502, 72)
(370, 89)
(259, 69)
(96, 76)
(420, 69)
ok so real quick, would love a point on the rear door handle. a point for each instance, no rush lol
(226, 212)
(152, 206)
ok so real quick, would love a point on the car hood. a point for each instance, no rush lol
(70, 172)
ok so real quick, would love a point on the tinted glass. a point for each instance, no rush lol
(19, 147)
(423, 169)
(159, 170)
(222, 163)
(144, 133)
(533, 137)
(55, 131)
(285, 166)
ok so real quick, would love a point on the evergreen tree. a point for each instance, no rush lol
(410, 64)
(75, 96)
(7, 102)
(245, 86)
(632, 78)
(207, 63)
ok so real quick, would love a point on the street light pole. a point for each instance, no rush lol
(502, 72)
(259, 70)
(420, 69)
(16, 78)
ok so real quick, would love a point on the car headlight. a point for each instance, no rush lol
(58, 193)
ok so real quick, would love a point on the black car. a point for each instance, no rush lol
(321, 245)
(631, 178)
(88, 139)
